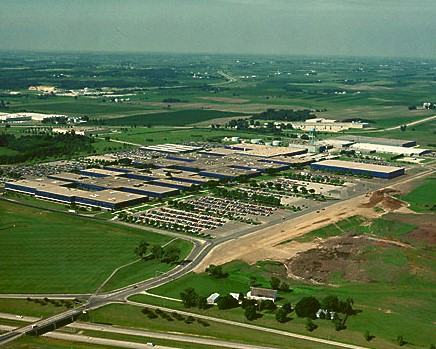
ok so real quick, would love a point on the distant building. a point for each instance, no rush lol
(263, 294)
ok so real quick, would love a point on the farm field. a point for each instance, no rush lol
(57, 253)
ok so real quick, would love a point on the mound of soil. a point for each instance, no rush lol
(383, 198)
(336, 256)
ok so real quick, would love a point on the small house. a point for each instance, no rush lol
(325, 314)
(259, 293)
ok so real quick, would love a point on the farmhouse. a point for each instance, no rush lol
(263, 294)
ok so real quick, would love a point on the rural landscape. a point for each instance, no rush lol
(200, 200)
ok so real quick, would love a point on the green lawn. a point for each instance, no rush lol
(46, 252)
(423, 198)
(29, 308)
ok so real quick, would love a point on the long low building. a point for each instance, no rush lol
(376, 140)
(58, 191)
(378, 171)
(389, 149)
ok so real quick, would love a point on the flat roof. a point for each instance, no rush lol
(375, 140)
(358, 166)
(268, 151)
(171, 148)
(69, 177)
(102, 171)
(110, 196)
(40, 183)
(389, 148)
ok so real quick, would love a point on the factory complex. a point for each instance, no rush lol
(163, 171)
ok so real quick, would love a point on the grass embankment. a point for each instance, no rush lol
(47, 252)
(423, 197)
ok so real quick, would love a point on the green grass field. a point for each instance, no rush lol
(170, 118)
(422, 198)
(46, 252)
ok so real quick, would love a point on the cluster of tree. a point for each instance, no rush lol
(309, 306)
(315, 178)
(216, 271)
(56, 302)
(358, 120)
(171, 100)
(43, 146)
(277, 284)
(190, 298)
(239, 195)
(285, 115)
(3, 105)
(167, 255)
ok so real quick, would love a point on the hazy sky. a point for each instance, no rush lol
(320, 27)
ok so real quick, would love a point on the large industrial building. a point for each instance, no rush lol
(375, 140)
(61, 191)
(378, 171)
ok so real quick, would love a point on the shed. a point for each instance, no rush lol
(212, 299)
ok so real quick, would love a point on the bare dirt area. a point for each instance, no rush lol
(226, 100)
(337, 257)
(426, 231)
(383, 198)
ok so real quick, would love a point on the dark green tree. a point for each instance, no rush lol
(157, 252)
(310, 325)
(189, 297)
(307, 307)
(281, 315)
(227, 302)
(275, 283)
(202, 302)
(250, 313)
(171, 255)
(141, 249)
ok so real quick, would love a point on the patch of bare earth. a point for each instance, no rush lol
(335, 256)
(426, 230)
